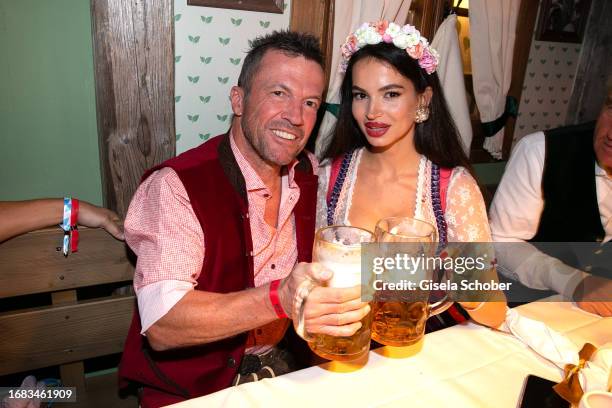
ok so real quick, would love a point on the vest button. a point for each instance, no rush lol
(231, 363)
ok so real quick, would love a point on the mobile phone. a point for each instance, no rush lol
(538, 393)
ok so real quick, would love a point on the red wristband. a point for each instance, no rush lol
(280, 312)
(74, 232)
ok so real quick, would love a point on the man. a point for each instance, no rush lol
(218, 230)
(557, 187)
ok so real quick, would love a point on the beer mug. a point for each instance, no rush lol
(399, 317)
(337, 248)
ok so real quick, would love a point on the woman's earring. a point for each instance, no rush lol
(422, 114)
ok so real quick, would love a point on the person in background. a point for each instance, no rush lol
(19, 217)
(557, 187)
(396, 141)
(223, 233)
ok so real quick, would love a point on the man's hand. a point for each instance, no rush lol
(594, 294)
(332, 311)
(98, 217)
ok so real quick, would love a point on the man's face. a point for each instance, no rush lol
(603, 136)
(280, 110)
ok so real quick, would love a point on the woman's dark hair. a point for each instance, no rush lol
(437, 138)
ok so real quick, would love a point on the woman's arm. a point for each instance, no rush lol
(467, 221)
(19, 217)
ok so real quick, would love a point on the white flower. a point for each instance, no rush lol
(412, 40)
(372, 37)
(393, 30)
(434, 53)
(408, 29)
(401, 41)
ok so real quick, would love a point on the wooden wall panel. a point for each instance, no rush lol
(60, 334)
(134, 69)
(315, 17)
(31, 264)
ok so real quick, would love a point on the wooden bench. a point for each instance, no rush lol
(68, 330)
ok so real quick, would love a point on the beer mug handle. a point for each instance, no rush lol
(299, 304)
(439, 306)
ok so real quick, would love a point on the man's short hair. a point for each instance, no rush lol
(291, 43)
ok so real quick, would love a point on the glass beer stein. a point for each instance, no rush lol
(399, 317)
(337, 248)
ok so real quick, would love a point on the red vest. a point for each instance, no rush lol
(217, 193)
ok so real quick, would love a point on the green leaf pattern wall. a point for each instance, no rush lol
(210, 45)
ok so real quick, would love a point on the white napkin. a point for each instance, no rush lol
(559, 350)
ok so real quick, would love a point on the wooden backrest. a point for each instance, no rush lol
(67, 331)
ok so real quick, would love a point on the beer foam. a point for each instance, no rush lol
(345, 274)
(343, 260)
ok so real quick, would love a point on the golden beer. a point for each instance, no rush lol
(398, 323)
(398, 318)
(338, 248)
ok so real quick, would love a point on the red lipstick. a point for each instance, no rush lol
(376, 129)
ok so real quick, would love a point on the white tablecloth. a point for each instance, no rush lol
(462, 366)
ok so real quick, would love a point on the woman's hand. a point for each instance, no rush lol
(98, 217)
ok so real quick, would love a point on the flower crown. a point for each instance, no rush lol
(406, 38)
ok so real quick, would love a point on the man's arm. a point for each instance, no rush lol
(515, 215)
(203, 317)
(19, 217)
(163, 231)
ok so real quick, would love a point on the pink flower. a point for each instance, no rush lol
(349, 47)
(415, 51)
(387, 38)
(428, 61)
(381, 26)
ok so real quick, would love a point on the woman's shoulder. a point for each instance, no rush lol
(460, 173)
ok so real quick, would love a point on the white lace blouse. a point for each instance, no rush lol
(465, 214)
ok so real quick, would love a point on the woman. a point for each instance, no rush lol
(396, 151)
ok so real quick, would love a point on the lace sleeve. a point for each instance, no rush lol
(324, 171)
(466, 214)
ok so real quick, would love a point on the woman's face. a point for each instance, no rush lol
(384, 103)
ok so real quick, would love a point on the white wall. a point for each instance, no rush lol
(210, 46)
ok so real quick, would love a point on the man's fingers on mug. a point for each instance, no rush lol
(336, 331)
(316, 309)
(341, 319)
(318, 272)
(338, 295)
